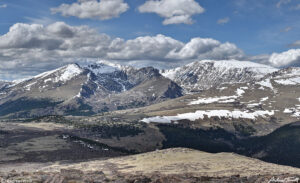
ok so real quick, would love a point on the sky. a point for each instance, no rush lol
(39, 35)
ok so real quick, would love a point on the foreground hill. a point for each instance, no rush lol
(170, 165)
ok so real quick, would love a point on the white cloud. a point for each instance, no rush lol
(295, 44)
(28, 49)
(199, 48)
(174, 11)
(34, 47)
(3, 6)
(147, 47)
(94, 9)
(223, 21)
(282, 2)
(290, 57)
(287, 29)
(297, 7)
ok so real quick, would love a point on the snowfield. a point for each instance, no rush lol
(209, 114)
(295, 112)
(290, 81)
(266, 83)
(204, 74)
(70, 71)
(222, 99)
(222, 65)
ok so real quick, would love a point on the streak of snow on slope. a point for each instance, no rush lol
(28, 87)
(259, 103)
(227, 101)
(264, 99)
(222, 99)
(209, 100)
(294, 111)
(266, 83)
(290, 81)
(210, 113)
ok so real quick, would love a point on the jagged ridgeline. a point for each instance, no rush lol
(103, 86)
(85, 90)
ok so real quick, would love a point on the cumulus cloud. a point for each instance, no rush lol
(223, 21)
(290, 57)
(201, 48)
(174, 11)
(94, 9)
(38, 48)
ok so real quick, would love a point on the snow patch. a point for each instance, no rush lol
(28, 87)
(210, 113)
(290, 81)
(70, 71)
(294, 111)
(264, 99)
(240, 92)
(266, 83)
(222, 99)
(104, 67)
(222, 88)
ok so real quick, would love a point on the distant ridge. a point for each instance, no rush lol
(202, 75)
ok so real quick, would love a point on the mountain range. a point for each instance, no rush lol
(213, 106)
(103, 86)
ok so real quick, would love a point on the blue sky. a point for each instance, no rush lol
(255, 26)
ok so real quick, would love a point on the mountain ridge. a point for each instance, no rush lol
(98, 87)
(103, 86)
(202, 75)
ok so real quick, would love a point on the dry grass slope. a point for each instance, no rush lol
(179, 161)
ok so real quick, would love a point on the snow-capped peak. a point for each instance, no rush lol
(63, 74)
(232, 64)
(260, 69)
(209, 73)
(103, 67)
(70, 71)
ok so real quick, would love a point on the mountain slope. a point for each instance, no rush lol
(192, 162)
(205, 74)
(87, 89)
(4, 84)
(159, 166)
(251, 108)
